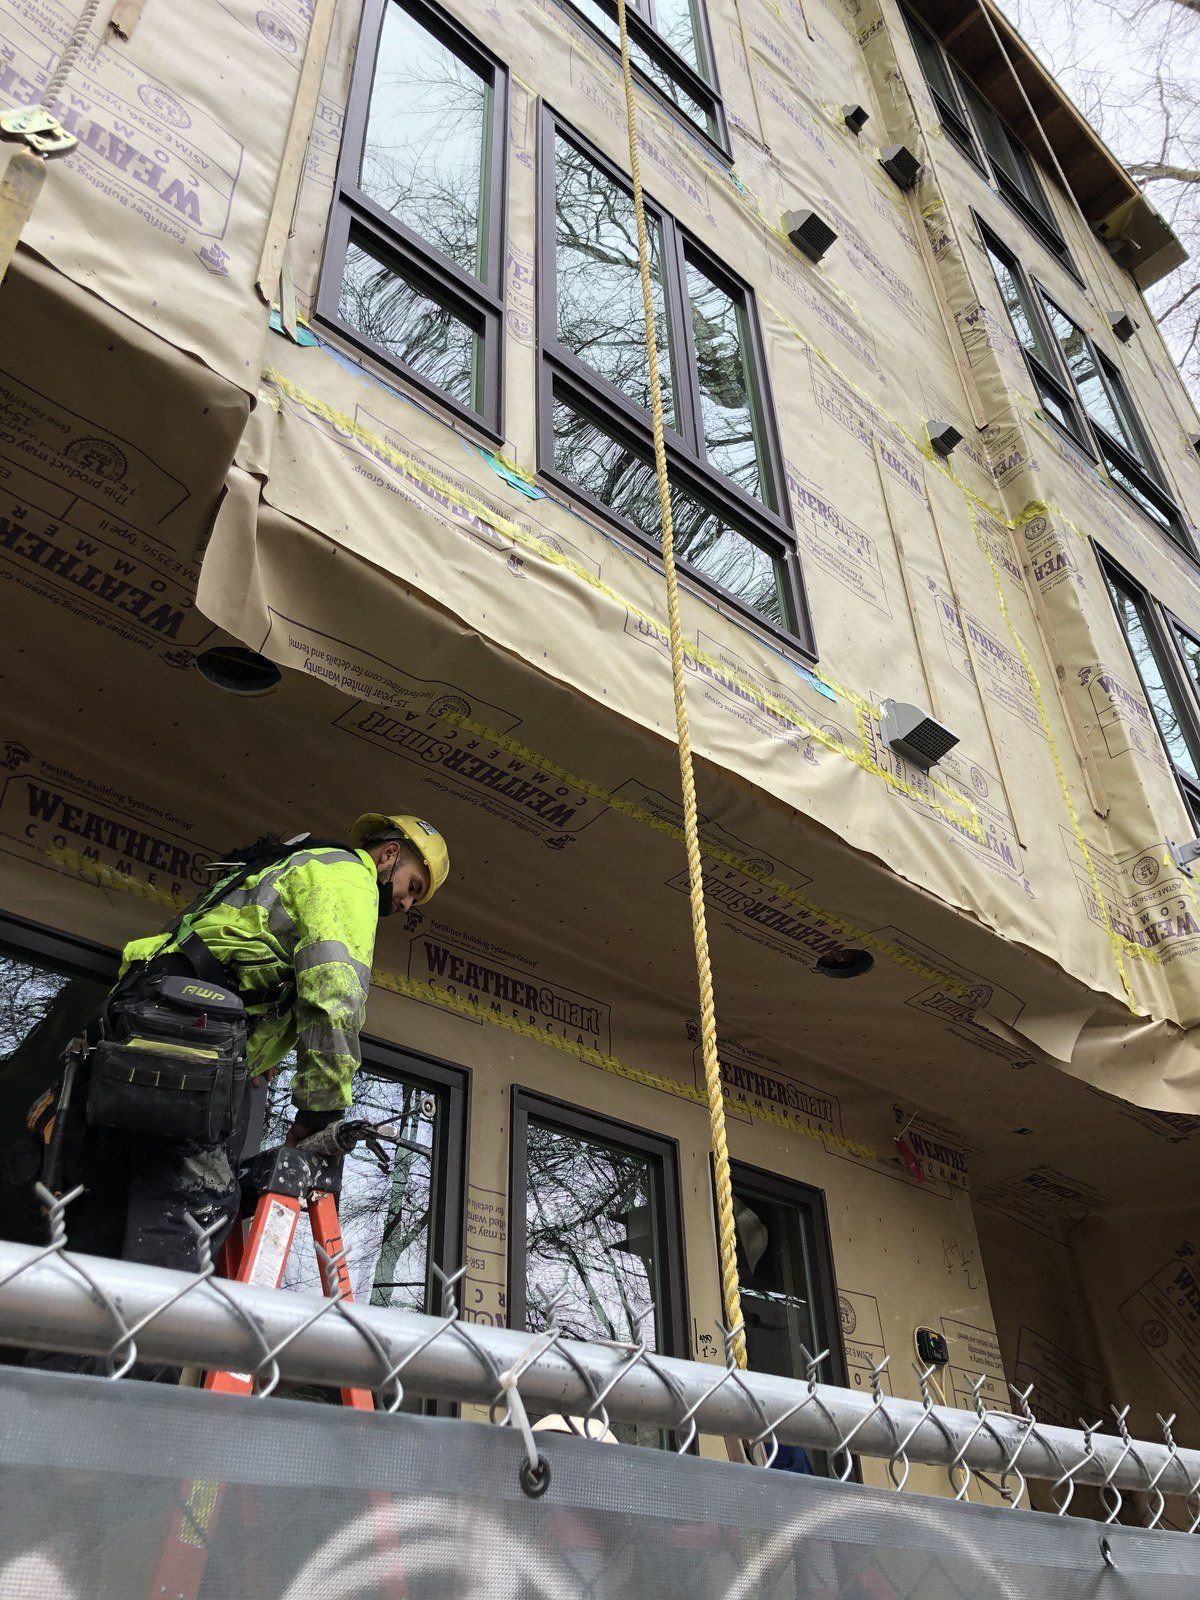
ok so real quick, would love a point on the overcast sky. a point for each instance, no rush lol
(1134, 71)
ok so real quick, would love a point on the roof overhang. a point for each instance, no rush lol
(1139, 238)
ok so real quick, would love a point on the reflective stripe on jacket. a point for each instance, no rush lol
(310, 920)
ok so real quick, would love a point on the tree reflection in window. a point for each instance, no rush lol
(423, 156)
(730, 426)
(410, 325)
(591, 1236)
(1190, 649)
(1154, 680)
(719, 429)
(599, 464)
(387, 1219)
(600, 317)
(26, 994)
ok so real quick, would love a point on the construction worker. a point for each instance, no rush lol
(277, 954)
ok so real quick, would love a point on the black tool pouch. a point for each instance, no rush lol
(171, 1060)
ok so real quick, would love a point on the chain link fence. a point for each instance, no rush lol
(117, 1314)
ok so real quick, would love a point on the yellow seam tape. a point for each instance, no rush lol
(965, 813)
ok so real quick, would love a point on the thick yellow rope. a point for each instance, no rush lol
(726, 1235)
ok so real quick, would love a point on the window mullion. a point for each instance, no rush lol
(687, 402)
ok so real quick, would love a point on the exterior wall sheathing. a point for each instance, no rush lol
(457, 648)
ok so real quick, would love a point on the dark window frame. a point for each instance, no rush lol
(41, 945)
(1146, 471)
(776, 1186)
(643, 32)
(560, 371)
(1056, 382)
(1159, 626)
(38, 943)
(1087, 435)
(660, 1147)
(356, 217)
(794, 1191)
(968, 137)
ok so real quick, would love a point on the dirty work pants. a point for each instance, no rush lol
(139, 1191)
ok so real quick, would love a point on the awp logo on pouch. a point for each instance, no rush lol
(172, 165)
(40, 814)
(496, 986)
(450, 758)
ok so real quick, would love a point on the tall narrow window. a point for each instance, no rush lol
(399, 1224)
(1174, 712)
(1081, 389)
(789, 1301)
(1034, 339)
(1123, 446)
(982, 134)
(413, 266)
(729, 504)
(1189, 648)
(595, 1232)
(670, 50)
(50, 989)
(946, 99)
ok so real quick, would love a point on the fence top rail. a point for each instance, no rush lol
(117, 1312)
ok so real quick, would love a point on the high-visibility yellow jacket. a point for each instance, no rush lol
(308, 921)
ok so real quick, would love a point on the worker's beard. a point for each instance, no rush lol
(385, 891)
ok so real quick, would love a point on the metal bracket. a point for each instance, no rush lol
(37, 129)
(1184, 854)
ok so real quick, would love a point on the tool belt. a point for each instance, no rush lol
(170, 1060)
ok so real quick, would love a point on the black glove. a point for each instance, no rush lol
(309, 1122)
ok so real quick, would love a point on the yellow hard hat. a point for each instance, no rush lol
(373, 827)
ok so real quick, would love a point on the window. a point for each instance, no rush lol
(396, 1225)
(1123, 446)
(942, 88)
(985, 138)
(732, 522)
(414, 259)
(670, 49)
(49, 989)
(1081, 390)
(1175, 711)
(789, 1300)
(595, 1221)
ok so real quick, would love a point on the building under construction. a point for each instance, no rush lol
(327, 483)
